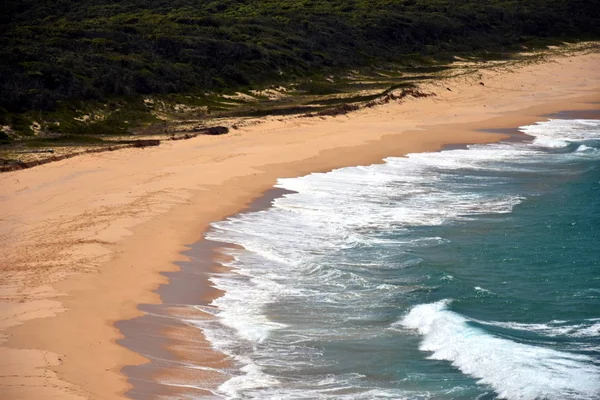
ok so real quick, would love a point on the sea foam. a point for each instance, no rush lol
(318, 265)
(515, 370)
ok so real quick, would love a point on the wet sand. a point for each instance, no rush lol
(181, 359)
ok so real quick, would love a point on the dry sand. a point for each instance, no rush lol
(83, 240)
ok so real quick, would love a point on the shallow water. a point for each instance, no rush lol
(461, 274)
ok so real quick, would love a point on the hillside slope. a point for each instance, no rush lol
(55, 52)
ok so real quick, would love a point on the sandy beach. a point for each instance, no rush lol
(84, 240)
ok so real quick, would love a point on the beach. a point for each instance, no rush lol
(85, 240)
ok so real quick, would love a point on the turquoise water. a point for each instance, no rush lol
(461, 274)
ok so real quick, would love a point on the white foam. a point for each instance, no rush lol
(252, 379)
(514, 370)
(553, 328)
(572, 130)
(550, 143)
(290, 250)
(583, 147)
(482, 290)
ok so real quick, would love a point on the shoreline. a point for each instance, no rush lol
(60, 228)
(177, 351)
(177, 377)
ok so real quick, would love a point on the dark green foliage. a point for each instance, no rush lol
(95, 50)
(4, 138)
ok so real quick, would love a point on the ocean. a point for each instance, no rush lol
(469, 273)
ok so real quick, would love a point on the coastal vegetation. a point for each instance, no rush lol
(92, 67)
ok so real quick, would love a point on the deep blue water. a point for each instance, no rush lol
(461, 274)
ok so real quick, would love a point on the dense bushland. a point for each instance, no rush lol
(93, 50)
